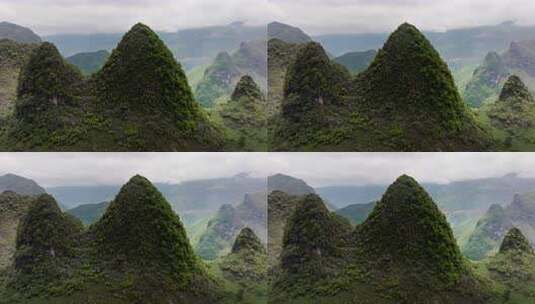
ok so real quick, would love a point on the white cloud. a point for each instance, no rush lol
(349, 16)
(88, 16)
(318, 169)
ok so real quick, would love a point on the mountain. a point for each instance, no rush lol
(246, 265)
(493, 226)
(244, 117)
(125, 106)
(404, 252)
(325, 109)
(193, 46)
(18, 33)
(489, 78)
(287, 33)
(159, 89)
(512, 115)
(288, 184)
(280, 207)
(13, 56)
(458, 46)
(20, 185)
(346, 195)
(222, 76)
(54, 252)
(222, 230)
(449, 124)
(13, 207)
(309, 250)
(280, 56)
(356, 62)
(89, 213)
(89, 62)
(356, 213)
(486, 80)
(512, 267)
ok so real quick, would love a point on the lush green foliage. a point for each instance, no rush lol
(486, 80)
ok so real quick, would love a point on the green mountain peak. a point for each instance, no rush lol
(515, 91)
(45, 234)
(247, 88)
(140, 227)
(247, 241)
(514, 240)
(45, 81)
(406, 227)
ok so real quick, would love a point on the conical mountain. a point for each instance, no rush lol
(247, 89)
(486, 80)
(312, 80)
(45, 236)
(144, 87)
(314, 240)
(140, 227)
(247, 241)
(406, 230)
(46, 82)
(409, 91)
(514, 240)
(515, 91)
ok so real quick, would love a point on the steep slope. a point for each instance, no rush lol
(406, 100)
(512, 115)
(244, 117)
(280, 207)
(222, 76)
(246, 266)
(13, 56)
(12, 208)
(486, 80)
(280, 55)
(287, 33)
(89, 62)
(44, 246)
(18, 33)
(408, 93)
(145, 91)
(492, 227)
(316, 244)
(20, 185)
(288, 184)
(513, 267)
(89, 213)
(489, 78)
(224, 227)
(356, 62)
(356, 213)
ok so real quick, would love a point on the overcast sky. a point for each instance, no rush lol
(314, 16)
(328, 16)
(318, 169)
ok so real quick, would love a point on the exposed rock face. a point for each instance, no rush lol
(486, 79)
(521, 55)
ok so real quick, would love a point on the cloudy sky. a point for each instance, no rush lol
(318, 169)
(314, 16)
(328, 16)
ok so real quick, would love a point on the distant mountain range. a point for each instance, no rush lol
(18, 33)
(192, 47)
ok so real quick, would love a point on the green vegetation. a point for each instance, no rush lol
(13, 56)
(406, 100)
(222, 230)
(356, 62)
(246, 267)
(243, 117)
(356, 213)
(89, 213)
(138, 252)
(512, 116)
(486, 80)
(89, 62)
(139, 100)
